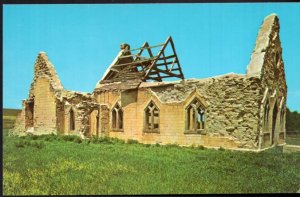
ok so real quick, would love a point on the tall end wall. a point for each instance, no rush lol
(44, 107)
(267, 63)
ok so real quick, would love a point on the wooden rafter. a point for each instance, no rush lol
(148, 66)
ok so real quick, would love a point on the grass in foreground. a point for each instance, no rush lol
(67, 165)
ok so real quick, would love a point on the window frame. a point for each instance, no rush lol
(146, 120)
(196, 109)
(117, 123)
(72, 120)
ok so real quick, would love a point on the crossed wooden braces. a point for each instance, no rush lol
(129, 66)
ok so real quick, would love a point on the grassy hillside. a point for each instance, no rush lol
(10, 112)
(67, 165)
(9, 117)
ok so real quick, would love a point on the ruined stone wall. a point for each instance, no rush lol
(60, 113)
(43, 67)
(273, 79)
(104, 121)
(267, 63)
(82, 104)
(44, 107)
(84, 110)
(232, 111)
(107, 99)
(19, 126)
(39, 111)
(94, 123)
(29, 113)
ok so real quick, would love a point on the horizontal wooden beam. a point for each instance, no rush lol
(166, 57)
(159, 54)
(165, 72)
(134, 63)
(150, 47)
(162, 64)
(133, 55)
(171, 76)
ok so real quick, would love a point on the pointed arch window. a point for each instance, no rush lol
(195, 117)
(151, 118)
(117, 118)
(266, 117)
(282, 119)
(71, 120)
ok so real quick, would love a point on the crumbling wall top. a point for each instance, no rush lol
(43, 67)
(270, 25)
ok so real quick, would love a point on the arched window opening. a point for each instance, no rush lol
(195, 116)
(282, 121)
(266, 116)
(275, 111)
(72, 120)
(93, 122)
(29, 115)
(151, 118)
(97, 123)
(117, 117)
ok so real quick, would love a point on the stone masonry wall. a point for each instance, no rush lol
(273, 78)
(44, 107)
(19, 126)
(266, 62)
(82, 104)
(43, 67)
(232, 112)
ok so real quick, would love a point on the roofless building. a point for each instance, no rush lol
(131, 101)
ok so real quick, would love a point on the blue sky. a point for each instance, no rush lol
(82, 40)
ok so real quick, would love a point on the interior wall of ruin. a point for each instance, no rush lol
(71, 122)
(79, 114)
(29, 114)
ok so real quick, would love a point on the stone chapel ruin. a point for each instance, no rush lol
(131, 101)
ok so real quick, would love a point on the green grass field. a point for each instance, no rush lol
(68, 165)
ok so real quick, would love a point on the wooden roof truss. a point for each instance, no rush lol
(144, 65)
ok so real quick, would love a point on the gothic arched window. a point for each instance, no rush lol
(151, 118)
(195, 116)
(117, 117)
(71, 120)
(266, 117)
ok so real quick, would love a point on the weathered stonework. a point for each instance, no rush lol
(238, 111)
